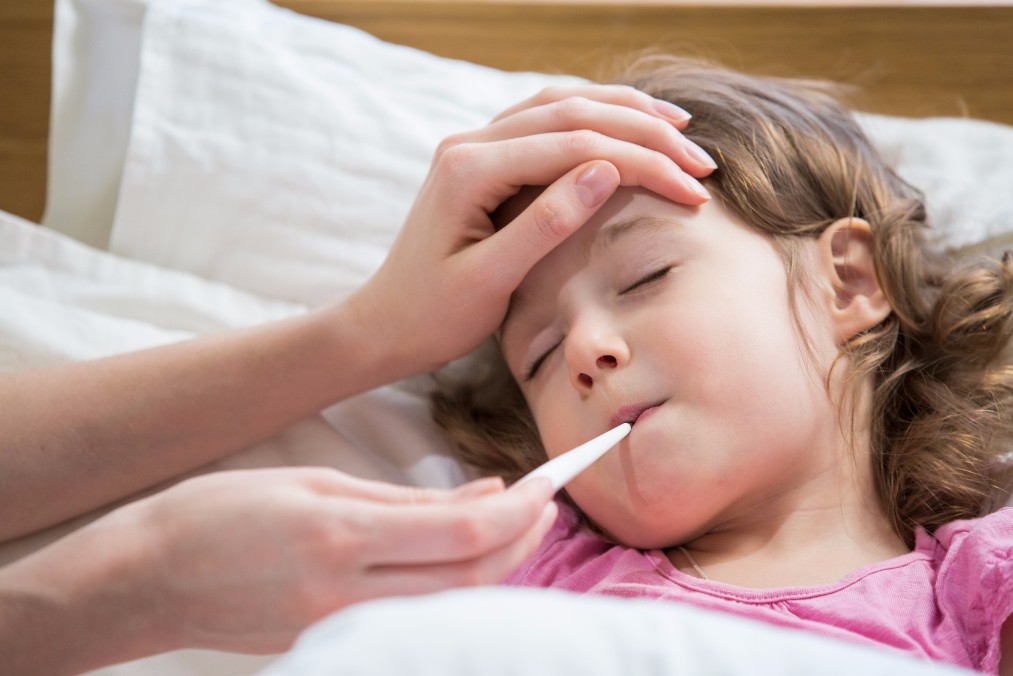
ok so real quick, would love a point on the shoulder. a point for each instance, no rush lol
(993, 529)
(974, 553)
(974, 583)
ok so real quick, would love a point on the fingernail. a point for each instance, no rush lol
(671, 111)
(700, 155)
(548, 516)
(537, 485)
(594, 185)
(694, 185)
(480, 487)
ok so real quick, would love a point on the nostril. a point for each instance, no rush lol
(585, 380)
(606, 361)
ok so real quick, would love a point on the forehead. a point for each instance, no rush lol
(627, 206)
(625, 211)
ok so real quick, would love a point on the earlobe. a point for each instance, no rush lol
(847, 249)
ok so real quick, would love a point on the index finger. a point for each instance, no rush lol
(445, 532)
(616, 121)
(489, 568)
(620, 95)
(328, 481)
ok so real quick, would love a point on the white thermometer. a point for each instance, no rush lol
(564, 467)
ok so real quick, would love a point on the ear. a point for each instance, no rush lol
(846, 253)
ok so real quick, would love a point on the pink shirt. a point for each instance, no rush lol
(945, 601)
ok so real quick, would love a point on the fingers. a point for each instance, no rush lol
(538, 140)
(474, 489)
(503, 166)
(331, 482)
(620, 122)
(490, 568)
(448, 533)
(618, 95)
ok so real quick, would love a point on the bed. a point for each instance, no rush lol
(174, 168)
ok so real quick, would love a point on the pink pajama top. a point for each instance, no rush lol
(945, 601)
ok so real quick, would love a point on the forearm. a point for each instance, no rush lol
(81, 435)
(78, 605)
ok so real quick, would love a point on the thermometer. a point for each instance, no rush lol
(564, 467)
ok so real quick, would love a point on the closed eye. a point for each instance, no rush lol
(655, 276)
(532, 369)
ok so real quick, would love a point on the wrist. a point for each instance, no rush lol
(85, 594)
(380, 337)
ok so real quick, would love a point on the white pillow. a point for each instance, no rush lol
(280, 153)
(964, 167)
(96, 55)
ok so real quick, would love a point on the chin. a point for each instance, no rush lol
(644, 540)
(636, 533)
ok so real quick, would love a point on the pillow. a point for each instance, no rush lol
(280, 153)
(964, 169)
(96, 55)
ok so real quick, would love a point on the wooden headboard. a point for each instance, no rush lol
(914, 58)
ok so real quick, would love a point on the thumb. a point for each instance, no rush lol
(557, 213)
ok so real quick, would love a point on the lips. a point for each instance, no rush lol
(632, 412)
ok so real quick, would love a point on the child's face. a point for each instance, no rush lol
(680, 315)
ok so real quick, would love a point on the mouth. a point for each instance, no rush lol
(631, 413)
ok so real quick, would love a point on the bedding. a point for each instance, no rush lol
(539, 632)
(242, 163)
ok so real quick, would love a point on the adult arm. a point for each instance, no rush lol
(80, 435)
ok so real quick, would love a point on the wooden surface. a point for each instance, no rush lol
(910, 58)
(25, 43)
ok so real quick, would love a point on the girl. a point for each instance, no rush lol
(818, 397)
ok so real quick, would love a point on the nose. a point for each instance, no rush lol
(593, 349)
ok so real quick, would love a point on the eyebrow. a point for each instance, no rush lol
(613, 232)
(606, 238)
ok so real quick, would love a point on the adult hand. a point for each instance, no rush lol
(447, 281)
(245, 560)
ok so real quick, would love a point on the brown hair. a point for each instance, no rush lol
(792, 160)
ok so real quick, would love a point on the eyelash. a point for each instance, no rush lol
(655, 276)
(532, 369)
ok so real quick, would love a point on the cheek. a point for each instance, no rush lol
(733, 341)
